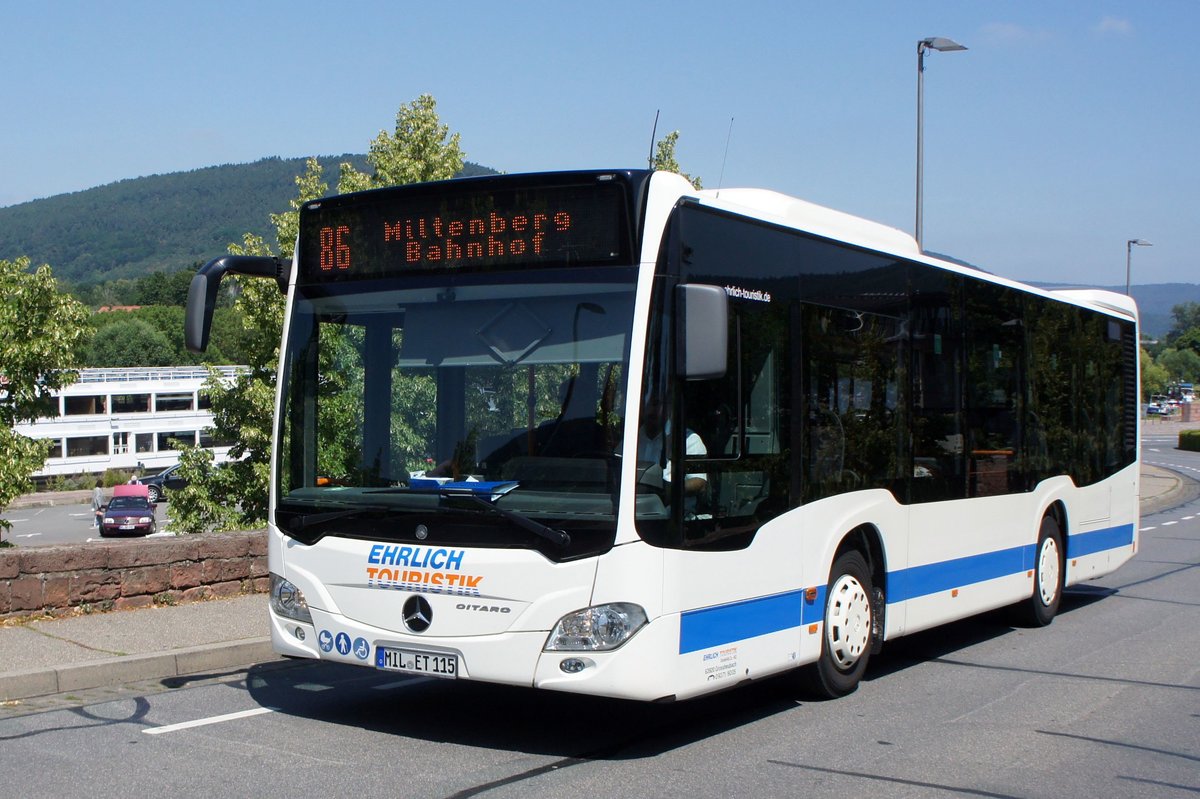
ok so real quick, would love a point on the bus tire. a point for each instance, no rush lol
(1048, 576)
(846, 639)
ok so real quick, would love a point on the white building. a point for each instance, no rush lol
(120, 418)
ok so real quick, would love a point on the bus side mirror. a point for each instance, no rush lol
(202, 293)
(701, 332)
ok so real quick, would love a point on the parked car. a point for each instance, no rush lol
(159, 484)
(132, 515)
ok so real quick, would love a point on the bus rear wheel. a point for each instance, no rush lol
(1048, 576)
(846, 642)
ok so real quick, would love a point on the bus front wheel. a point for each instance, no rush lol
(1048, 574)
(846, 642)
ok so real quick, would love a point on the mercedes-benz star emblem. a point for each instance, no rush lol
(418, 615)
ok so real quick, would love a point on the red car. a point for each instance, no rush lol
(128, 515)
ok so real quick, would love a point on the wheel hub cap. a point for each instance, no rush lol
(848, 621)
(1048, 571)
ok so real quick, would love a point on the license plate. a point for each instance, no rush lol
(414, 662)
(126, 527)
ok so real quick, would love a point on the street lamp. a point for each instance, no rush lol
(942, 45)
(1129, 257)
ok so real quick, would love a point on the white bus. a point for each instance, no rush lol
(601, 432)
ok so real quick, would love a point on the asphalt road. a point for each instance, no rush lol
(1105, 702)
(1160, 449)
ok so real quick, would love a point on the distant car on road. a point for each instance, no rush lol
(131, 515)
(159, 484)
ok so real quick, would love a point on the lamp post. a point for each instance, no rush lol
(942, 45)
(1129, 257)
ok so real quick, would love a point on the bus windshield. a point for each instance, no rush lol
(406, 402)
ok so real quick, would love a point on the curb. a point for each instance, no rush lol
(133, 668)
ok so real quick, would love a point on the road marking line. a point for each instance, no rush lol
(1147, 529)
(187, 725)
(1168, 524)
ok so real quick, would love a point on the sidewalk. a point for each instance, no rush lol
(52, 656)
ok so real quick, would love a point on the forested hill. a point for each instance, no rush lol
(158, 223)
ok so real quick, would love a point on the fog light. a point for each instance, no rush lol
(299, 633)
(573, 665)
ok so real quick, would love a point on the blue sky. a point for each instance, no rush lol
(1066, 128)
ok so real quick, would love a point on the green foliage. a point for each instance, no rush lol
(1187, 340)
(1185, 316)
(1154, 377)
(420, 150)
(71, 482)
(129, 342)
(1180, 364)
(1190, 440)
(664, 158)
(201, 504)
(114, 477)
(153, 336)
(161, 288)
(41, 331)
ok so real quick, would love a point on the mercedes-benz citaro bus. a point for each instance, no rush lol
(602, 432)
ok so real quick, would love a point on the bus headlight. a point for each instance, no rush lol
(596, 629)
(288, 601)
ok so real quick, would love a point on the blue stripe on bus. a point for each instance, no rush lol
(715, 626)
(711, 627)
(933, 578)
(1099, 540)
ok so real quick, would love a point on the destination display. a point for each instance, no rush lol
(392, 232)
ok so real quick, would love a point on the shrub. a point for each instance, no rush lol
(71, 482)
(115, 477)
(1190, 440)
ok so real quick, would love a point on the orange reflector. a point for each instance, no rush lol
(954, 593)
(1074, 563)
(812, 629)
(810, 594)
(1029, 574)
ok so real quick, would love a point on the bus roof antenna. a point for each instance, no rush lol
(653, 133)
(728, 136)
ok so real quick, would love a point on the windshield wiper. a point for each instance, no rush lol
(551, 534)
(305, 522)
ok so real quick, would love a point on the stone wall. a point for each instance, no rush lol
(131, 573)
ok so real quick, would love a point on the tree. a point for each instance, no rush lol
(161, 288)
(1186, 316)
(664, 158)
(421, 149)
(129, 342)
(41, 331)
(1182, 365)
(1154, 377)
